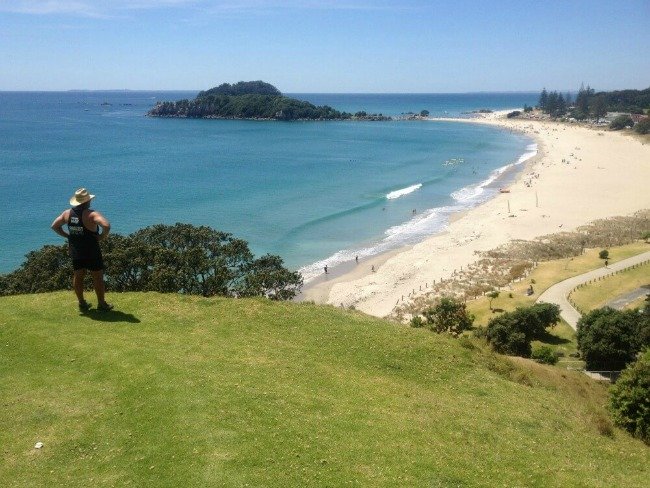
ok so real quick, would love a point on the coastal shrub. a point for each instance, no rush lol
(181, 258)
(467, 343)
(514, 113)
(527, 108)
(417, 322)
(480, 333)
(547, 313)
(45, 270)
(604, 254)
(642, 127)
(621, 122)
(448, 315)
(512, 332)
(610, 339)
(505, 338)
(630, 398)
(544, 355)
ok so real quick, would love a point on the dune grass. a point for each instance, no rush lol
(185, 391)
(597, 295)
(548, 273)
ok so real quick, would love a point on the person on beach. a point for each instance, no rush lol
(356, 258)
(83, 243)
(325, 268)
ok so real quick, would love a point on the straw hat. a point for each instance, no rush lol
(81, 196)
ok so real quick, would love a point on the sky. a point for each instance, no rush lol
(321, 46)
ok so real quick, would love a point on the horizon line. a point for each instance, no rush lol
(104, 90)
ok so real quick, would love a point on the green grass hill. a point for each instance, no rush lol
(186, 391)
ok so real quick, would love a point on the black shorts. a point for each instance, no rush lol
(91, 264)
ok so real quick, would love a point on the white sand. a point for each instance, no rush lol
(607, 175)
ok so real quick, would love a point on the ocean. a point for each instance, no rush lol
(314, 193)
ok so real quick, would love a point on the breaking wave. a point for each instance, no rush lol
(404, 191)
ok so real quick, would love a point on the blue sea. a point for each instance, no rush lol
(314, 193)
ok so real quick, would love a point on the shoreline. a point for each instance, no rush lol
(568, 172)
(318, 288)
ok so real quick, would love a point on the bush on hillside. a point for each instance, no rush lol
(417, 322)
(544, 355)
(547, 313)
(642, 127)
(610, 339)
(604, 254)
(448, 315)
(512, 332)
(621, 122)
(47, 269)
(505, 337)
(630, 398)
(170, 259)
(514, 113)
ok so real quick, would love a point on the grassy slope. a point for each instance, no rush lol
(185, 391)
(598, 294)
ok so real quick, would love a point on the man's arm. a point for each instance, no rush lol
(59, 222)
(103, 222)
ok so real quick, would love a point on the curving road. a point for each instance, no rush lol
(558, 293)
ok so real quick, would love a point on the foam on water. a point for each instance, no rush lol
(427, 223)
(404, 191)
(477, 193)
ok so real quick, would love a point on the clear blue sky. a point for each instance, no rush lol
(325, 46)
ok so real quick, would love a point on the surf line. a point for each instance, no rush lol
(404, 191)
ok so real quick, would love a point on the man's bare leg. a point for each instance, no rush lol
(78, 284)
(98, 284)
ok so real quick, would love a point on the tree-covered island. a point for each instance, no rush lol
(252, 100)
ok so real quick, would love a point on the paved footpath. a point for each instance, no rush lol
(558, 293)
(621, 301)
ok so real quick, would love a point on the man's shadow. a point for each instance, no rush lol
(110, 316)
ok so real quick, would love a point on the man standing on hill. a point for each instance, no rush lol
(83, 240)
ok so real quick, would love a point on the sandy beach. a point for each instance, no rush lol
(579, 174)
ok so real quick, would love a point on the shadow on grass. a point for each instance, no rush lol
(111, 316)
(554, 340)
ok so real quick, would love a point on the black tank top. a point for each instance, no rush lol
(83, 242)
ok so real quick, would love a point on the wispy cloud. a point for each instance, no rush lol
(260, 6)
(113, 8)
(52, 7)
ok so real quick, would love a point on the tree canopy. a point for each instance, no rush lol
(588, 102)
(242, 88)
(609, 339)
(251, 100)
(630, 398)
(179, 258)
(512, 332)
(448, 315)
